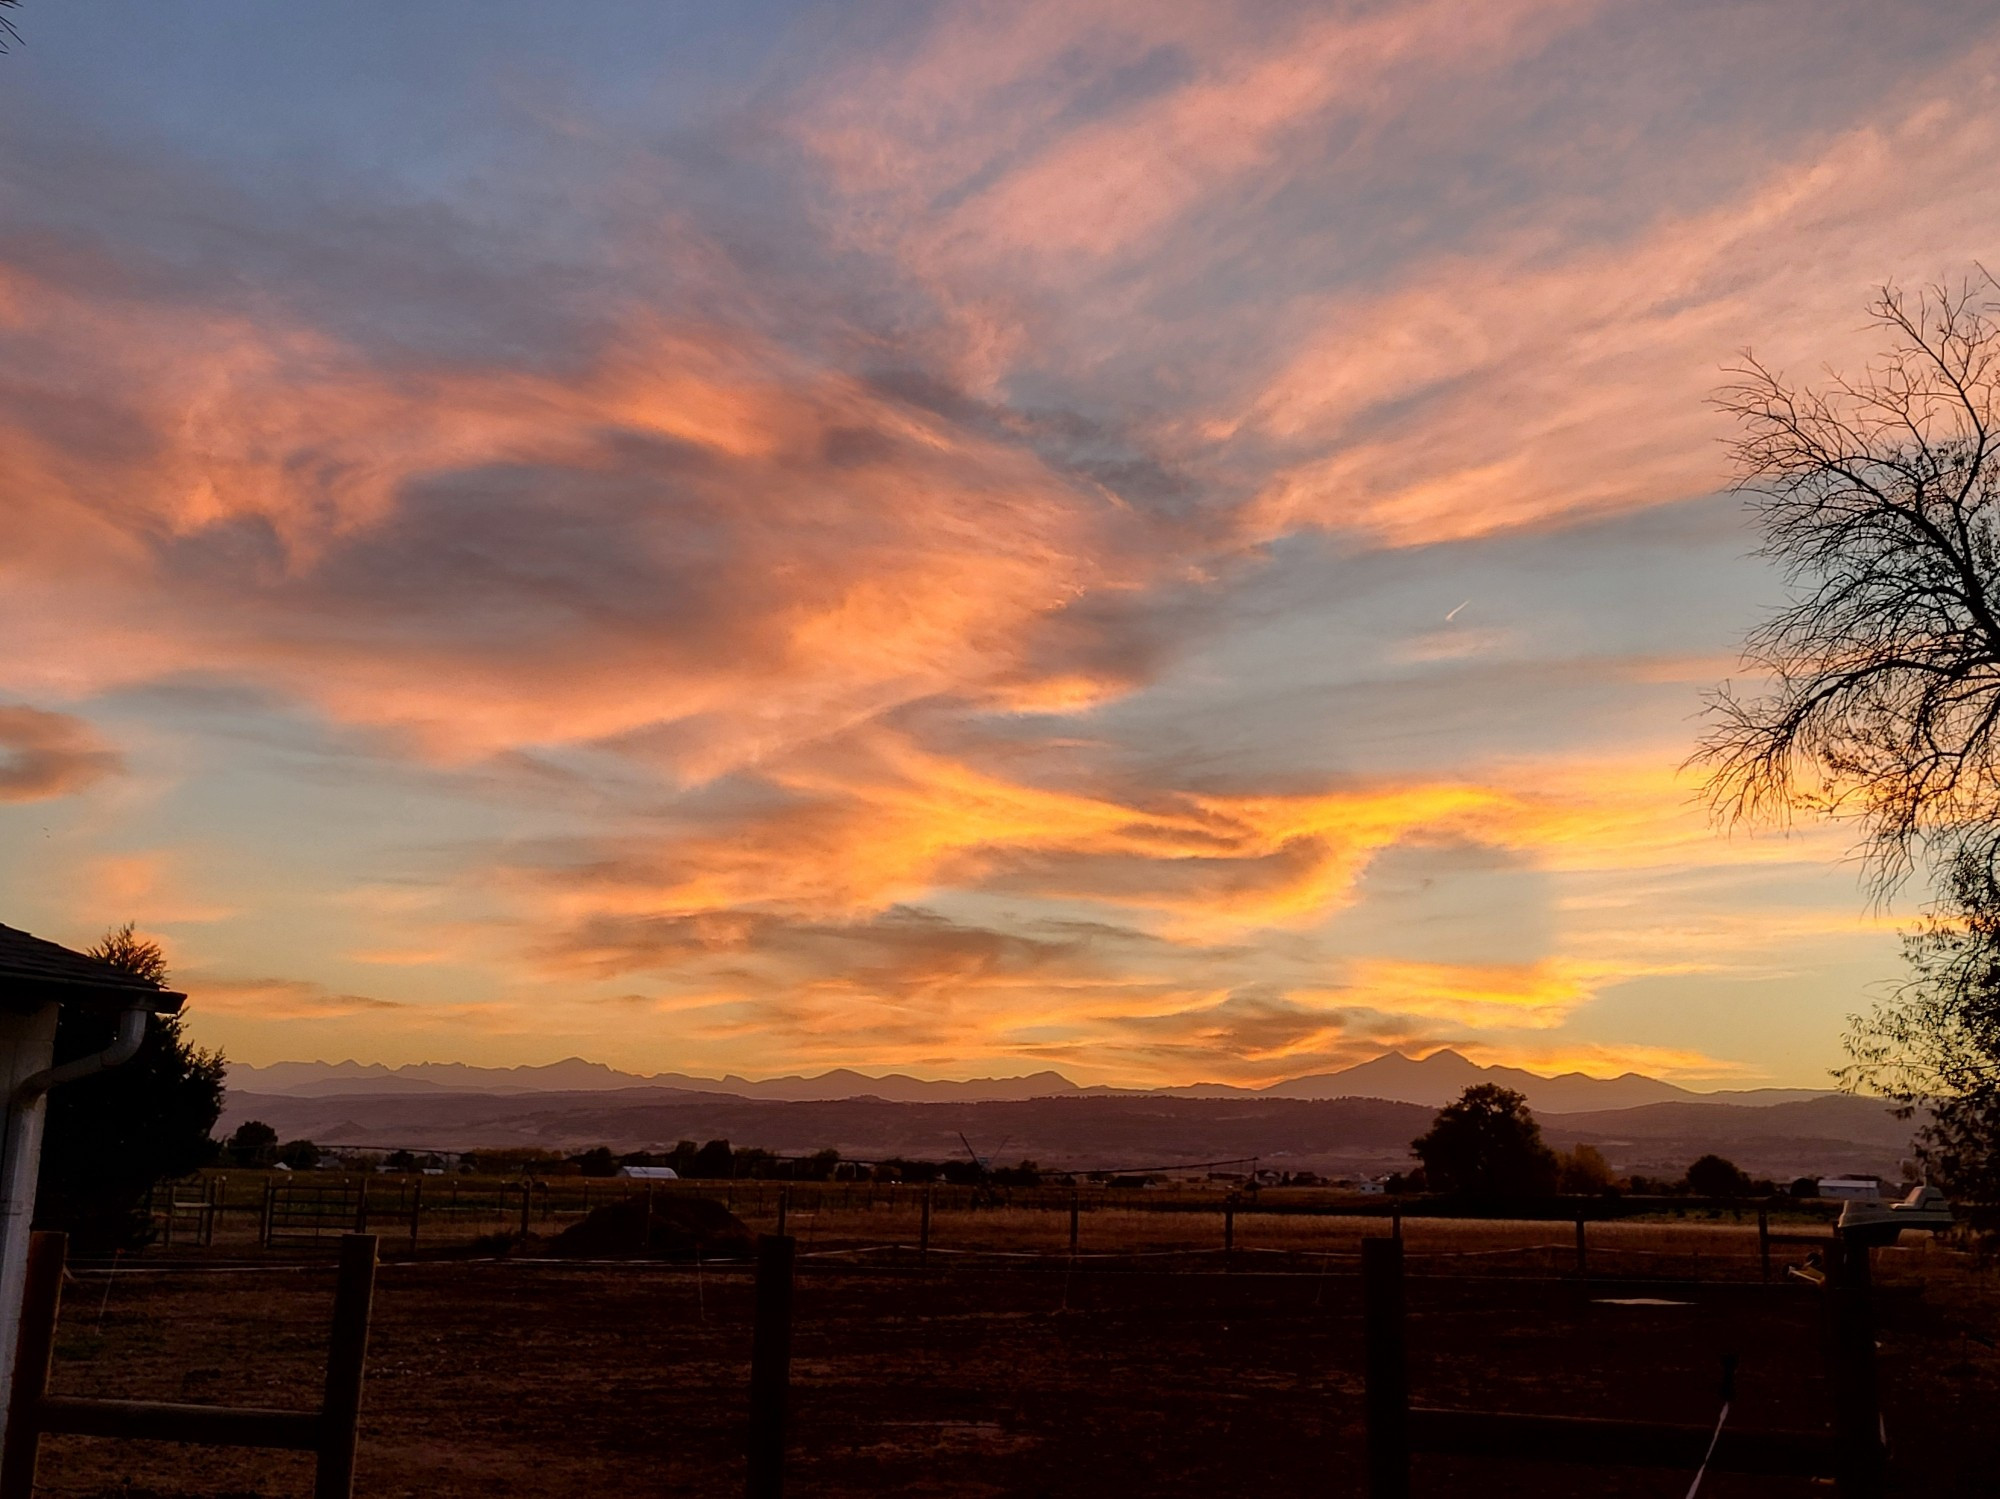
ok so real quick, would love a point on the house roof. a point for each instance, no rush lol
(34, 973)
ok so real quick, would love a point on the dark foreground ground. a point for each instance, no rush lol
(536, 1379)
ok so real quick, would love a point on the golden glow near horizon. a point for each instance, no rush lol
(1168, 542)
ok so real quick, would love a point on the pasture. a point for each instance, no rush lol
(252, 1213)
(1001, 1365)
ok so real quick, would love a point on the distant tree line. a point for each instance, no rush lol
(254, 1145)
(1488, 1144)
(718, 1161)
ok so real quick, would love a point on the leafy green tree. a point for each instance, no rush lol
(1583, 1170)
(1487, 1144)
(299, 1155)
(1713, 1176)
(714, 1161)
(111, 1136)
(252, 1143)
(1935, 1046)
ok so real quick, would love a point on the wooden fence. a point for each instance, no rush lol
(189, 1209)
(328, 1433)
(313, 1209)
(1851, 1453)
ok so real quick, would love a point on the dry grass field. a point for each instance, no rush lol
(1005, 1368)
(457, 1214)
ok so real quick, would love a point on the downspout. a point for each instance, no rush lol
(19, 1169)
(32, 1089)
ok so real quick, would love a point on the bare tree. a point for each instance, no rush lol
(1879, 497)
(9, 35)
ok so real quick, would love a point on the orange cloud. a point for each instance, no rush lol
(1510, 996)
(45, 755)
(727, 597)
(1668, 1062)
(771, 551)
(284, 999)
(885, 821)
(156, 887)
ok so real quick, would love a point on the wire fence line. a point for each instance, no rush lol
(248, 1216)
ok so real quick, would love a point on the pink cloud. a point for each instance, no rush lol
(45, 755)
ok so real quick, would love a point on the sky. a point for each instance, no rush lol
(1168, 542)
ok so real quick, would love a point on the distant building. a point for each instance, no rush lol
(1851, 1188)
(1371, 1188)
(649, 1173)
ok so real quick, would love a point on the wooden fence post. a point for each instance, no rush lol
(270, 1207)
(1582, 1261)
(39, 1301)
(1851, 1344)
(416, 1212)
(361, 1208)
(1764, 1243)
(1396, 1223)
(770, 1368)
(784, 1202)
(1228, 1231)
(1075, 1210)
(527, 1202)
(1388, 1393)
(646, 1221)
(924, 1231)
(340, 1412)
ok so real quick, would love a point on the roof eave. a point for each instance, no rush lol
(32, 993)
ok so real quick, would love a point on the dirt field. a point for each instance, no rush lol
(986, 1377)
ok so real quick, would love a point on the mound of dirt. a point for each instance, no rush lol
(678, 1227)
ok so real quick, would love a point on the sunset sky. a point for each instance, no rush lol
(1166, 541)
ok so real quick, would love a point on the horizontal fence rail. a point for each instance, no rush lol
(1851, 1453)
(311, 1209)
(329, 1432)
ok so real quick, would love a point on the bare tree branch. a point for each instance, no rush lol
(1878, 497)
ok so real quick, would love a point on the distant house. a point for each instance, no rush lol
(649, 1173)
(1370, 1187)
(1851, 1188)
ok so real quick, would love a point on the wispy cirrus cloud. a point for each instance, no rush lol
(776, 552)
(277, 999)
